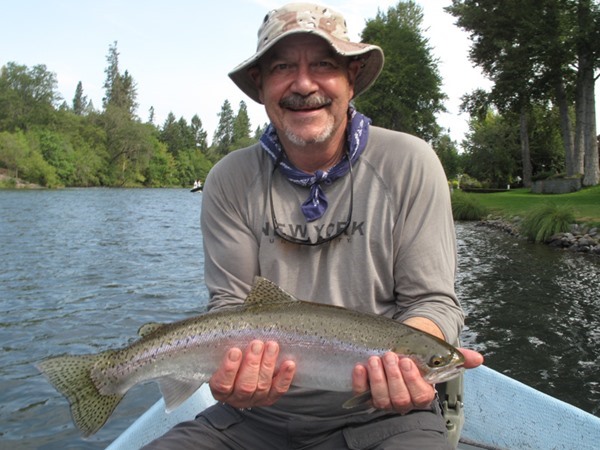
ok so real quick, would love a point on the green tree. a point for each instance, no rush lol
(492, 150)
(241, 127)
(503, 57)
(539, 49)
(27, 96)
(161, 170)
(408, 93)
(223, 137)
(151, 115)
(120, 89)
(57, 151)
(130, 146)
(177, 135)
(13, 150)
(547, 151)
(25, 161)
(447, 151)
(199, 134)
(80, 101)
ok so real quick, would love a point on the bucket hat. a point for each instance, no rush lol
(295, 18)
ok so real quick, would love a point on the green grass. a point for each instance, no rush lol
(585, 204)
(544, 221)
(467, 207)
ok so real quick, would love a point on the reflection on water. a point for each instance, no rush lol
(533, 311)
(82, 269)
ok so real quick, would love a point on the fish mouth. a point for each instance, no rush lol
(444, 374)
(454, 368)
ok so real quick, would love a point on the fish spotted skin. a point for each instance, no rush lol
(326, 342)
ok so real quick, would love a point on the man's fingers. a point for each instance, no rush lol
(472, 358)
(420, 392)
(223, 380)
(246, 380)
(399, 393)
(360, 379)
(247, 377)
(267, 368)
(282, 382)
(395, 383)
(378, 381)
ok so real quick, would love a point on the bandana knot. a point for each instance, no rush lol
(316, 204)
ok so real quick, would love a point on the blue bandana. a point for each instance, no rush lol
(315, 205)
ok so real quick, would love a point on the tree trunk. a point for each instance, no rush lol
(525, 153)
(586, 110)
(580, 114)
(591, 170)
(565, 127)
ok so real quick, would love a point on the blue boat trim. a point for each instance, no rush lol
(500, 413)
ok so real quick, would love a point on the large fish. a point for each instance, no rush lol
(326, 342)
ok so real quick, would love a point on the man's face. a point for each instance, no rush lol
(306, 89)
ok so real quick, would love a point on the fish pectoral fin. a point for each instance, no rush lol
(358, 400)
(175, 391)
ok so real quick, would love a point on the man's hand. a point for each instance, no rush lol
(396, 383)
(248, 379)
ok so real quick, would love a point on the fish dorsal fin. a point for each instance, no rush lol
(266, 292)
(149, 328)
(175, 391)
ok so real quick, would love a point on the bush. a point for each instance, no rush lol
(467, 181)
(547, 220)
(467, 207)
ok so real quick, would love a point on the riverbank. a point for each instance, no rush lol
(579, 239)
(9, 182)
(585, 203)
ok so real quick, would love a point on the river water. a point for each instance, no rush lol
(82, 269)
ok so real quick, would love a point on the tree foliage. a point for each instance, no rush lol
(75, 145)
(28, 97)
(407, 95)
(533, 51)
(492, 150)
(540, 52)
(120, 88)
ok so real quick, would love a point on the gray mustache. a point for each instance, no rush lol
(301, 102)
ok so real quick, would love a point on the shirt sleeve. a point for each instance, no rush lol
(425, 251)
(230, 246)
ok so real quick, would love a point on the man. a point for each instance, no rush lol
(336, 211)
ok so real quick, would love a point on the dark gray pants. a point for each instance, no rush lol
(224, 427)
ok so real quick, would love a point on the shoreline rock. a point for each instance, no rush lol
(579, 239)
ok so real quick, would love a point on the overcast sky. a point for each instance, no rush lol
(179, 52)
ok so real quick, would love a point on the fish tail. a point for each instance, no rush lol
(71, 376)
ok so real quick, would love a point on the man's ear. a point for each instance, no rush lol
(255, 74)
(354, 69)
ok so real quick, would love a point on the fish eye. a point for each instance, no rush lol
(436, 361)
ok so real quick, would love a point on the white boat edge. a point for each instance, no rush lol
(500, 413)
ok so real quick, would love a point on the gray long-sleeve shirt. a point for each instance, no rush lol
(397, 257)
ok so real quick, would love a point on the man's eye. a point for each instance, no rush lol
(324, 66)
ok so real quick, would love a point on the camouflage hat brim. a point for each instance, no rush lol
(313, 19)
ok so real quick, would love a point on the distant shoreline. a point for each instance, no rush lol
(8, 182)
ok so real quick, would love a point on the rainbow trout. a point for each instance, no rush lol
(326, 342)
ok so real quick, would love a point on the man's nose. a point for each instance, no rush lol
(304, 82)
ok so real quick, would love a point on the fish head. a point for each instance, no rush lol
(440, 366)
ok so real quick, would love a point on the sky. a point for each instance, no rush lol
(179, 52)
